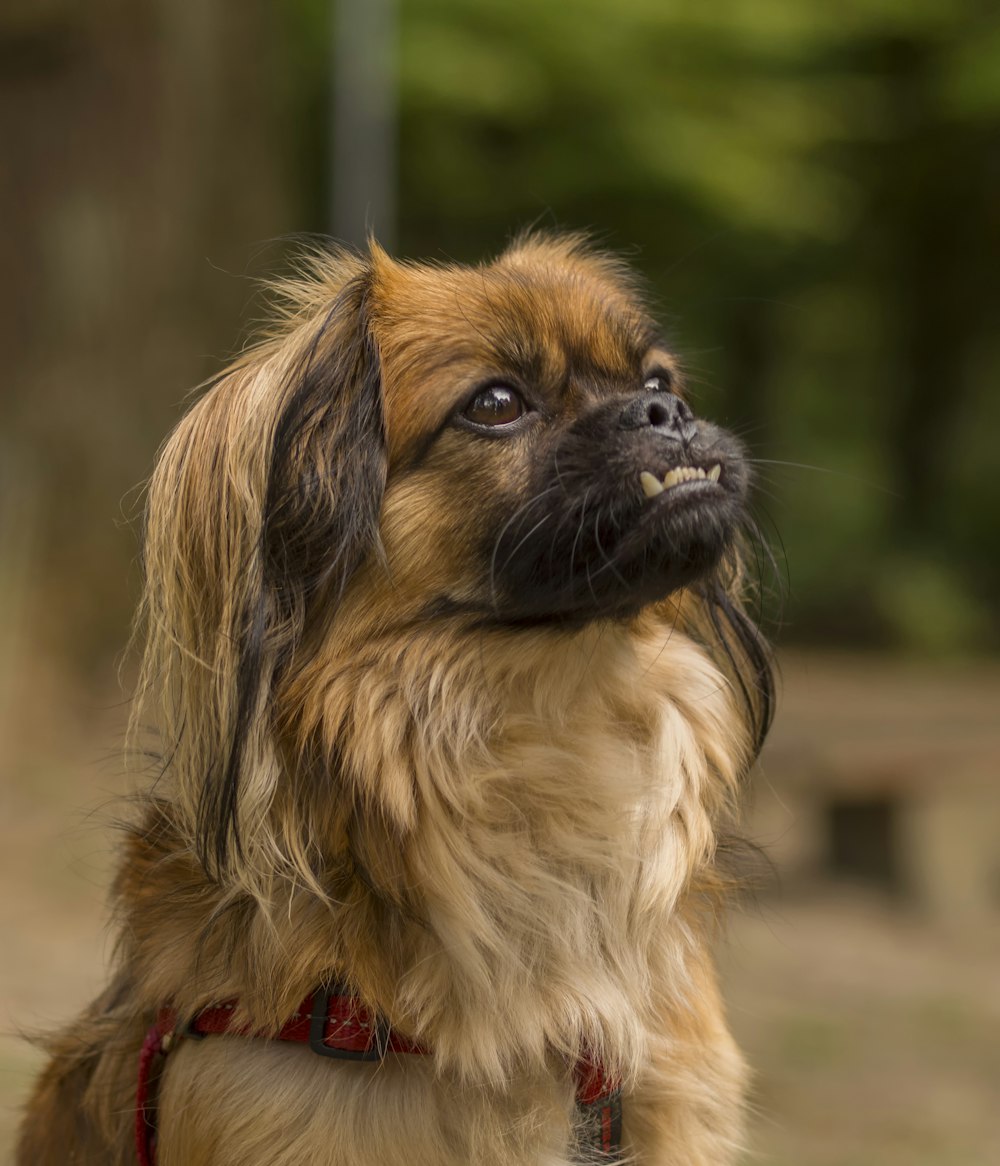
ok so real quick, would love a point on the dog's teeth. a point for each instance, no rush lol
(689, 474)
(650, 485)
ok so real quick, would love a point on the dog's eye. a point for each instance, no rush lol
(494, 406)
(658, 382)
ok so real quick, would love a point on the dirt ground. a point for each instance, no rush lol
(874, 1036)
(873, 1030)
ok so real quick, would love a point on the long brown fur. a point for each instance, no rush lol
(503, 834)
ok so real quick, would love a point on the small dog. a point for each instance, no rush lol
(456, 692)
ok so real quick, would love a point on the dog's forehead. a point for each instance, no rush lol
(444, 331)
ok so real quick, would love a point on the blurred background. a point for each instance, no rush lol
(811, 191)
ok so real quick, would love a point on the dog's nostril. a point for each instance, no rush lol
(657, 414)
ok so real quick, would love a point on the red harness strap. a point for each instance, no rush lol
(336, 1024)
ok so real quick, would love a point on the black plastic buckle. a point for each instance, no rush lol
(188, 1030)
(319, 1015)
(599, 1133)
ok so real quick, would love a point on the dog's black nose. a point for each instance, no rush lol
(664, 412)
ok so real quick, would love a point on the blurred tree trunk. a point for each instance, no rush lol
(145, 164)
(934, 203)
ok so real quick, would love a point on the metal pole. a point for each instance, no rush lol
(363, 121)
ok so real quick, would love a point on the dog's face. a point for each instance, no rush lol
(443, 448)
(543, 464)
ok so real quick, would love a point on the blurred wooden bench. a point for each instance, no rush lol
(887, 773)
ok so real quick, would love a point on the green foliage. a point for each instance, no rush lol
(811, 191)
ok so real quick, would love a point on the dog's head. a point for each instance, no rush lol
(501, 445)
(543, 462)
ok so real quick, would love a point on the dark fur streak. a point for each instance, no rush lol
(330, 428)
(757, 689)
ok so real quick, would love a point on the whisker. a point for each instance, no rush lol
(521, 510)
(825, 470)
(576, 541)
(604, 555)
(520, 543)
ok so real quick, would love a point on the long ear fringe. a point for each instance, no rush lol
(739, 646)
(265, 498)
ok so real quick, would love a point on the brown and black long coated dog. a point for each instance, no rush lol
(455, 693)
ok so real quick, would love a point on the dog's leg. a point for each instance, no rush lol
(688, 1107)
(56, 1127)
(82, 1108)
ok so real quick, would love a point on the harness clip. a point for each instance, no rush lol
(320, 1014)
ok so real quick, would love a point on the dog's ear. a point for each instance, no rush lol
(327, 464)
(264, 503)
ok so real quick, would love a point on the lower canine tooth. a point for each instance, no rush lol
(715, 473)
(650, 485)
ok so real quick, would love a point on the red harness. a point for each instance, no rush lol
(336, 1024)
